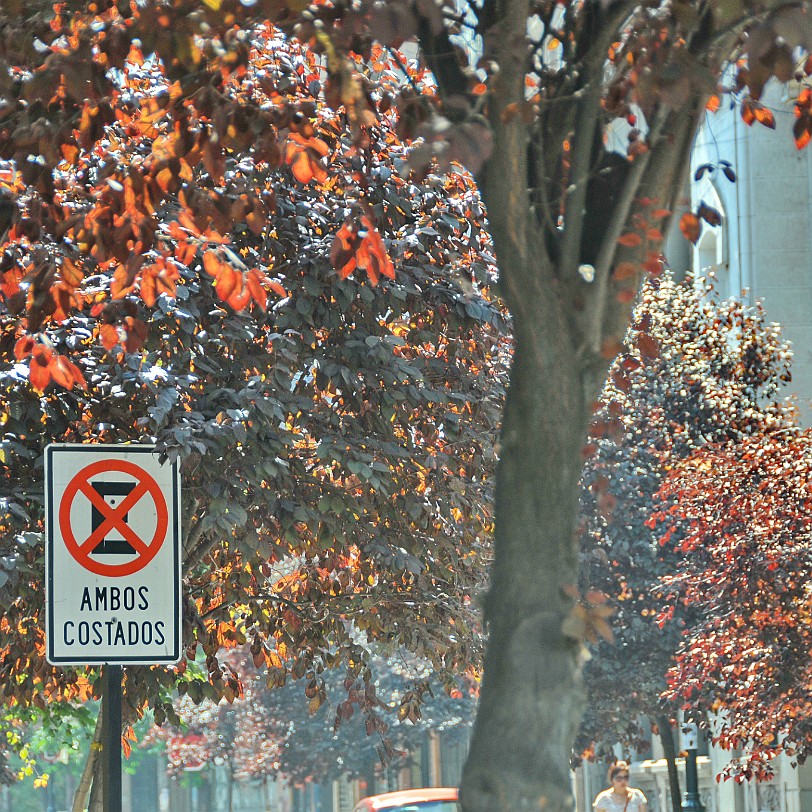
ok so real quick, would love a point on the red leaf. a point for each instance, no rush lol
(630, 239)
(709, 215)
(23, 348)
(621, 380)
(136, 334)
(39, 367)
(624, 270)
(648, 346)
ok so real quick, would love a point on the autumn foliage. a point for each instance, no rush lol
(745, 559)
(318, 348)
(694, 370)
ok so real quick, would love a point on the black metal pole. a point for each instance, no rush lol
(691, 802)
(111, 737)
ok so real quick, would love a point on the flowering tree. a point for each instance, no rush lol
(526, 108)
(717, 377)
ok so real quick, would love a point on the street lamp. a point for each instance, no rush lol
(690, 800)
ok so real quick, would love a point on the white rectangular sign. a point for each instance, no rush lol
(112, 556)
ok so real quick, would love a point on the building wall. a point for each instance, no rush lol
(765, 242)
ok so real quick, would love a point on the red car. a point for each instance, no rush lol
(431, 799)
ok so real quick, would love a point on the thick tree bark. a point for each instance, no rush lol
(532, 697)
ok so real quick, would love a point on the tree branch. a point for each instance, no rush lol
(598, 36)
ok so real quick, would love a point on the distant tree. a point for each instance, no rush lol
(336, 435)
(694, 370)
(273, 735)
(744, 566)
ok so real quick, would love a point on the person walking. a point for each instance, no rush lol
(620, 797)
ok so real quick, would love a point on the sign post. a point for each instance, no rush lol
(111, 737)
(113, 570)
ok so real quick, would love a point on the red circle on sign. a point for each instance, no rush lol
(145, 485)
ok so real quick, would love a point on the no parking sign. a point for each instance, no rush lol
(112, 556)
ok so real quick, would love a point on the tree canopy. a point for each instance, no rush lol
(271, 735)
(744, 572)
(335, 425)
(717, 376)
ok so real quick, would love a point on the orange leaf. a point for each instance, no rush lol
(254, 280)
(342, 252)
(71, 273)
(690, 227)
(227, 282)
(39, 367)
(109, 336)
(70, 153)
(64, 372)
(630, 239)
(301, 167)
(654, 234)
(78, 377)
(241, 297)
(123, 282)
(212, 263)
(23, 348)
(713, 104)
(765, 116)
(748, 112)
(278, 289)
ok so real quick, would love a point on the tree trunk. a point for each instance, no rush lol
(97, 790)
(667, 738)
(532, 696)
(87, 779)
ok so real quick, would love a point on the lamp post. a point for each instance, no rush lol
(690, 800)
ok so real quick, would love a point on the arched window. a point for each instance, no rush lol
(710, 252)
